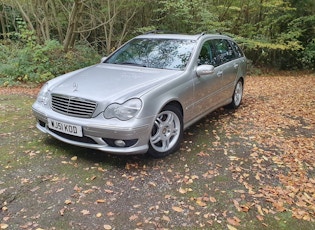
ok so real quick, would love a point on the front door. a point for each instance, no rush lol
(208, 91)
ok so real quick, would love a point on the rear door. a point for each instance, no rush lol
(229, 57)
(225, 56)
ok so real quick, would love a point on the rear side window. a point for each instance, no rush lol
(238, 51)
(223, 51)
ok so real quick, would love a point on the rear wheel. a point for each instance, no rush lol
(167, 132)
(237, 95)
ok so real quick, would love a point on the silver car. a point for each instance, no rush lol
(141, 97)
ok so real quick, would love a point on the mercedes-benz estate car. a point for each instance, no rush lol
(143, 96)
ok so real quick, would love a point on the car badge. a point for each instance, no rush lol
(75, 86)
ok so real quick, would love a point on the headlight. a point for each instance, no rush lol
(125, 111)
(43, 95)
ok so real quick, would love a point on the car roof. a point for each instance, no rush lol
(181, 36)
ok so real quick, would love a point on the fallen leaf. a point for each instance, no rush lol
(110, 214)
(166, 218)
(109, 183)
(231, 227)
(259, 209)
(74, 158)
(259, 217)
(152, 184)
(88, 191)
(182, 190)
(234, 221)
(60, 190)
(201, 203)
(107, 227)
(203, 154)
(85, 212)
(279, 206)
(62, 211)
(133, 217)
(237, 205)
(68, 201)
(245, 208)
(177, 209)
(4, 226)
(194, 177)
(101, 201)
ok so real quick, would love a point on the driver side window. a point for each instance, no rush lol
(205, 56)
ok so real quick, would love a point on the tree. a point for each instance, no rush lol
(277, 33)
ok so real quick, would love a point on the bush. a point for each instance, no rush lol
(31, 62)
(308, 56)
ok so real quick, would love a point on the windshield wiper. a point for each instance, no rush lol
(131, 63)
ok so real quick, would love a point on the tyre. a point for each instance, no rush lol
(237, 95)
(167, 132)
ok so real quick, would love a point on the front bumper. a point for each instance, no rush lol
(97, 134)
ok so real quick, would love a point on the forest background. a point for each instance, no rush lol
(41, 39)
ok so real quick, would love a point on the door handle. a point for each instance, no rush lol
(220, 73)
(235, 66)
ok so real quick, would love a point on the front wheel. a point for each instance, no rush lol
(167, 132)
(237, 95)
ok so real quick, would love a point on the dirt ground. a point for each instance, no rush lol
(253, 168)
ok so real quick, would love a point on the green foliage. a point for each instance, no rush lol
(144, 30)
(39, 63)
(307, 57)
(273, 33)
(180, 18)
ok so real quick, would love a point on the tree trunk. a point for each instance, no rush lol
(57, 25)
(25, 16)
(72, 25)
(2, 23)
(46, 21)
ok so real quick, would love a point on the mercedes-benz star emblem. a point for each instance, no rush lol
(75, 86)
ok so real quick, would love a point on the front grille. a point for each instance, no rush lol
(73, 106)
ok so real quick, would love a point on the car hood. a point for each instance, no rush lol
(108, 82)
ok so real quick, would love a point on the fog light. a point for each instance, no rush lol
(120, 143)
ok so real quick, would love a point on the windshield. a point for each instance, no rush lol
(154, 53)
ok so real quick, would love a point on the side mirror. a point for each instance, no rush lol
(204, 70)
(103, 59)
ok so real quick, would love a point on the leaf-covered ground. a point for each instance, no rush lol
(249, 169)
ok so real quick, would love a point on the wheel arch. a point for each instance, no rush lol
(175, 103)
(242, 79)
(159, 147)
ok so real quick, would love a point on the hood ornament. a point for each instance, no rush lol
(75, 86)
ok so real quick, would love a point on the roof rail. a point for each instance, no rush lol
(203, 33)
